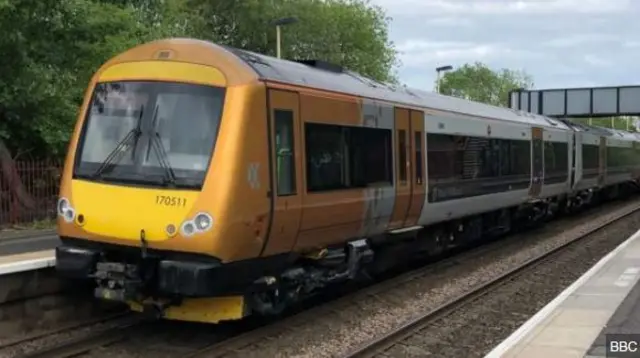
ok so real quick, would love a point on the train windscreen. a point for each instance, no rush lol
(149, 133)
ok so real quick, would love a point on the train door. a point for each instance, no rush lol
(573, 167)
(416, 175)
(537, 156)
(602, 163)
(402, 167)
(285, 143)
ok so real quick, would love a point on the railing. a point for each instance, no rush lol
(28, 192)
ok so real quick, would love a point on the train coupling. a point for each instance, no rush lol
(117, 281)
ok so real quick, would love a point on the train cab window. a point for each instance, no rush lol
(285, 158)
(402, 155)
(418, 144)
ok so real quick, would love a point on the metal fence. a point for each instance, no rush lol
(28, 192)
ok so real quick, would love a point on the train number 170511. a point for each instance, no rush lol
(170, 200)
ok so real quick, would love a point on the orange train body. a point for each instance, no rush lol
(200, 178)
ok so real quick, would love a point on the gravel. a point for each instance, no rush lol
(53, 339)
(474, 330)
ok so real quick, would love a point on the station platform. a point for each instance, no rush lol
(27, 250)
(10, 264)
(27, 241)
(603, 301)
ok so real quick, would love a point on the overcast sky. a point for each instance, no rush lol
(560, 43)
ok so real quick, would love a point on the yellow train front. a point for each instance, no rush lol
(166, 182)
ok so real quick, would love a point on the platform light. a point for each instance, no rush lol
(438, 71)
(278, 24)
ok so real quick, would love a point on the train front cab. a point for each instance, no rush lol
(156, 183)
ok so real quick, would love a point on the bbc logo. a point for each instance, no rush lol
(623, 345)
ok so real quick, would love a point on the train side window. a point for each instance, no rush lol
(521, 157)
(370, 156)
(285, 156)
(444, 157)
(505, 158)
(402, 155)
(340, 157)
(590, 156)
(418, 144)
(326, 157)
(556, 162)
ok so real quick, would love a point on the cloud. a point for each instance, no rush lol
(450, 21)
(560, 43)
(419, 52)
(501, 7)
(573, 40)
(596, 61)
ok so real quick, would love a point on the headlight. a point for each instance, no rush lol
(69, 214)
(203, 221)
(188, 228)
(200, 223)
(63, 205)
(66, 210)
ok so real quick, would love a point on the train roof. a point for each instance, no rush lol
(604, 132)
(321, 75)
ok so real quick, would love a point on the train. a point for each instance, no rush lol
(207, 183)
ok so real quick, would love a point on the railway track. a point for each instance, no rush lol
(246, 340)
(116, 327)
(382, 344)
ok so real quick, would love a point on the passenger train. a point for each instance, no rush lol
(207, 183)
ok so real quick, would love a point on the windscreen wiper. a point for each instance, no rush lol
(133, 134)
(161, 153)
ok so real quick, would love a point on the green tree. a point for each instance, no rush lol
(626, 123)
(350, 33)
(52, 47)
(478, 82)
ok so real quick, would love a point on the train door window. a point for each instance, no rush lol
(418, 144)
(285, 158)
(402, 153)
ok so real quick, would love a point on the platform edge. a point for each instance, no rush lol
(27, 265)
(543, 313)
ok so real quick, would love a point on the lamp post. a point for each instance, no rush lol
(438, 71)
(278, 24)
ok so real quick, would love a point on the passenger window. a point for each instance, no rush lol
(418, 143)
(341, 157)
(402, 152)
(285, 164)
